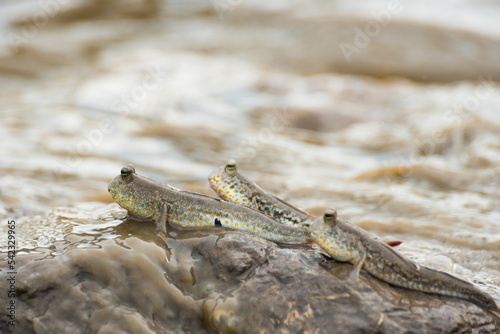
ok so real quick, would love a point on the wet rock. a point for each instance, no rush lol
(223, 282)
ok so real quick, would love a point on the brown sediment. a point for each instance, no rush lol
(221, 282)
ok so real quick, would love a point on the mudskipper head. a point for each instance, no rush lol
(330, 217)
(225, 172)
(130, 192)
(228, 184)
(322, 231)
(119, 183)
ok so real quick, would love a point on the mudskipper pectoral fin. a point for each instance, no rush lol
(161, 222)
(358, 264)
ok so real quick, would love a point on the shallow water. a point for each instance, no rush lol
(178, 95)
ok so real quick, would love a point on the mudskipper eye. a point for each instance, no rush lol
(125, 172)
(231, 167)
(330, 217)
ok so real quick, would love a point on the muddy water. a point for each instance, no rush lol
(177, 91)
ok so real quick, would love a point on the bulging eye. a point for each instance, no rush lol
(330, 217)
(127, 171)
(231, 167)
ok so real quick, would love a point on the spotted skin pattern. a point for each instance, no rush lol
(348, 243)
(234, 187)
(229, 190)
(144, 197)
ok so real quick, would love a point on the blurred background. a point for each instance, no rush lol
(386, 110)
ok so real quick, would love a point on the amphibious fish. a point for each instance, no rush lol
(144, 197)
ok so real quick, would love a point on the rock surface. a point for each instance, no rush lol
(222, 282)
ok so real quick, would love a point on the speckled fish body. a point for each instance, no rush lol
(237, 188)
(348, 243)
(144, 197)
